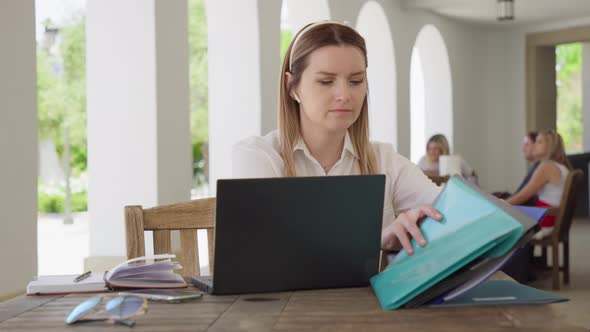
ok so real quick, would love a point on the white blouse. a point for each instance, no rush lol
(406, 186)
(551, 193)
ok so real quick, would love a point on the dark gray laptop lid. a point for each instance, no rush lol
(281, 234)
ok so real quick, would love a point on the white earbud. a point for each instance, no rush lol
(296, 97)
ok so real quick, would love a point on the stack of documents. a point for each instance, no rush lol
(477, 236)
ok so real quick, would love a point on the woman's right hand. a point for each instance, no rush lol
(397, 234)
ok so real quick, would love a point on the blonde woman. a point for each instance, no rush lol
(548, 179)
(323, 130)
(437, 146)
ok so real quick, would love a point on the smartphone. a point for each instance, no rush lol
(165, 295)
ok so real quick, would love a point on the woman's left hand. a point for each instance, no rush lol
(395, 236)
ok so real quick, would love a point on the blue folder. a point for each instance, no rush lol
(501, 292)
(474, 226)
(536, 213)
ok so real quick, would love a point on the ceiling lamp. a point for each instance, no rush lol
(505, 10)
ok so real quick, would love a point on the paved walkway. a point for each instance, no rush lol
(63, 248)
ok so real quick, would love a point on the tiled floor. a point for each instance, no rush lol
(577, 310)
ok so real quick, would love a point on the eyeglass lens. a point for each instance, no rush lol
(120, 308)
(82, 309)
(124, 306)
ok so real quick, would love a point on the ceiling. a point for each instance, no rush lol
(525, 11)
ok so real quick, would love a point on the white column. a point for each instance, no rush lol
(138, 112)
(173, 102)
(345, 10)
(234, 80)
(586, 94)
(303, 12)
(269, 14)
(18, 143)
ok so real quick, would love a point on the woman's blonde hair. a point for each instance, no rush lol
(307, 40)
(555, 147)
(440, 141)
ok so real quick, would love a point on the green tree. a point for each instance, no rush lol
(569, 95)
(62, 92)
(286, 37)
(199, 99)
(61, 88)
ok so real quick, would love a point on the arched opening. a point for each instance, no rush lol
(431, 101)
(373, 25)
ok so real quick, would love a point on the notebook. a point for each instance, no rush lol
(63, 284)
(141, 272)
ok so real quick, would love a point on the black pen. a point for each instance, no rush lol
(83, 276)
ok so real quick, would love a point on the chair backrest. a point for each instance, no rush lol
(438, 180)
(565, 215)
(187, 217)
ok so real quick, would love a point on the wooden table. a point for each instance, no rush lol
(352, 309)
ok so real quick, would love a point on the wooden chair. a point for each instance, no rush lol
(438, 180)
(187, 217)
(564, 215)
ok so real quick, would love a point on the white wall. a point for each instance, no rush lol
(18, 143)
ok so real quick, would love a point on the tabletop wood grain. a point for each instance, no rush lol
(345, 309)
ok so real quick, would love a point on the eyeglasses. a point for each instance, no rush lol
(118, 310)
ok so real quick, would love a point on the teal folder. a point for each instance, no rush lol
(501, 292)
(473, 227)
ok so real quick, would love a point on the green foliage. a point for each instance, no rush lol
(199, 99)
(79, 202)
(569, 95)
(55, 203)
(50, 203)
(568, 58)
(198, 159)
(61, 88)
(199, 92)
(61, 83)
(286, 37)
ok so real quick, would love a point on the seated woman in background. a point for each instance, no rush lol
(528, 147)
(548, 179)
(439, 146)
(528, 144)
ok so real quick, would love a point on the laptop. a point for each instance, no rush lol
(279, 234)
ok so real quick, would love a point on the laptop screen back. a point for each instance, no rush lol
(281, 234)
